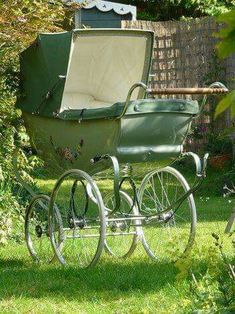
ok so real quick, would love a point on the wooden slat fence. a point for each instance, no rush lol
(184, 56)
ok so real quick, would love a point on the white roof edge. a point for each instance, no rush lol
(105, 6)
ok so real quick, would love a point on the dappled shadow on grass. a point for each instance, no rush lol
(110, 278)
(214, 209)
(10, 263)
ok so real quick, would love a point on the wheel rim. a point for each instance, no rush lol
(124, 244)
(37, 229)
(169, 236)
(83, 220)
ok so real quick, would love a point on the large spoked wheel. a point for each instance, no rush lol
(122, 234)
(37, 229)
(169, 234)
(81, 239)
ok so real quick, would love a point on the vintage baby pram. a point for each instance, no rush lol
(85, 113)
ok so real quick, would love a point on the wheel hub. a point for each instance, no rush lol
(77, 222)
(38, 230)
(123, 226)
(166, 217)
(114, 226)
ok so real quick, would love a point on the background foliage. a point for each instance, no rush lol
(20, 22)
(164, 10)
(226, 47)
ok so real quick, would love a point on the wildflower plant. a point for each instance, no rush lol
(212, 274)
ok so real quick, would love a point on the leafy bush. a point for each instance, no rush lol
(219, 144)
(10, 214)
(212, 288)
(20, 22)
(225, 48)
(164, 10)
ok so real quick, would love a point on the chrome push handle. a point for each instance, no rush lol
(128, 98)
(215, 88)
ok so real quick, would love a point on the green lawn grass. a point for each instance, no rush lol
(136, 285)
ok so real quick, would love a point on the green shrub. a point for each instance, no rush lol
(212, 274)
(20, 22)
(11, 215)
(165, 10)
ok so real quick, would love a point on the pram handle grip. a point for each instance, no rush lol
(189, 91)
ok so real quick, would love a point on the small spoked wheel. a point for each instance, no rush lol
(169, 227)
(122, 230)
(81, 239)
(37, 229)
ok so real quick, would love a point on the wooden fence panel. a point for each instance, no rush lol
(182, 51)
(184, 56)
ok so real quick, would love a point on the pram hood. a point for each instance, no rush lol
(83, 69)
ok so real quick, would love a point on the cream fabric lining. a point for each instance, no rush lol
(102, 69)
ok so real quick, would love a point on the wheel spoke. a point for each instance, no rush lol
(121, 246)
(156, 201)
(170, 234)
(81, 209)
(36, 229)
(164, 192)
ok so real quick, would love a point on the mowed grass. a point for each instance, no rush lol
(136, 285)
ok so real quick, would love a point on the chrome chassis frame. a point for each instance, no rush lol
(136, 220)
(200, 165)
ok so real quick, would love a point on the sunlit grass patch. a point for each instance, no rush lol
(135, 285)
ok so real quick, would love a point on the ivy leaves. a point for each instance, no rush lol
(20, 21)
(226, 47)
(227, 34)
(164, 10)
(225, 103)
